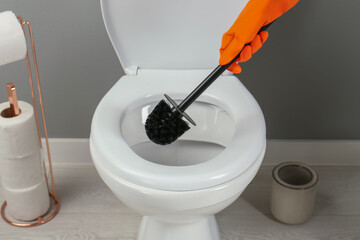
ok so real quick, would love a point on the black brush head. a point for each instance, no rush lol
(162, 126)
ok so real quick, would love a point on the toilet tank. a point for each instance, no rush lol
(168, 34)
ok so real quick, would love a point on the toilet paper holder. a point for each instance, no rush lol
(40, 220)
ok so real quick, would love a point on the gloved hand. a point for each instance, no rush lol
(256, 14)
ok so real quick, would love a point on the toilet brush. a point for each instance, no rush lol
(164, 124)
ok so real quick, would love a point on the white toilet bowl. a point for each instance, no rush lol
(179, 187)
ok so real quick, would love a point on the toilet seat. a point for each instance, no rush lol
(108, 143)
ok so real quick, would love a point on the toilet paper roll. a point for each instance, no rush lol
(13, 177)
(12, 39)
(18, 135)
(24, 185)
(27, 204)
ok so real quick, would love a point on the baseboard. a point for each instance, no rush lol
(314, 152)
(69, 151)
(75, 151)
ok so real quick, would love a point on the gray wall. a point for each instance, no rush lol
(306, 78)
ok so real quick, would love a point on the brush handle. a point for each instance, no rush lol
(209, 80)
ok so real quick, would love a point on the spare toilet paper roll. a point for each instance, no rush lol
(12, 39)
(27, 204)
(18, 135)
(21, 164)
(13, 177)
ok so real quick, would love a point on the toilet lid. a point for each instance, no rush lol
(161, 34)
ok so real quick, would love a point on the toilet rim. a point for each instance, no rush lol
(125, 162)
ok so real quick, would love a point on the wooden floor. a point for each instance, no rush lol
(90, 211)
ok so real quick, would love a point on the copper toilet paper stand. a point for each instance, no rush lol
(14, 109)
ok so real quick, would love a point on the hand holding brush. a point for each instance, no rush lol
(164, 124)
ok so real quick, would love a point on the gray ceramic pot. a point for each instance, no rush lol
(293, 192)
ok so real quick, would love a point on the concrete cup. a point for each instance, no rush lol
(293, 192)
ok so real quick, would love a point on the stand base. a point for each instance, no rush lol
(179, 227)
(37, 222)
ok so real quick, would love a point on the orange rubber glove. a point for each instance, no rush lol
(256, 14)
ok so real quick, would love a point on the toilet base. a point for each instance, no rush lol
(179, 227)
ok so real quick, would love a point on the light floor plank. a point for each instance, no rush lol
(83, 226)
(233, 227)
(263, 227)
(89, 210)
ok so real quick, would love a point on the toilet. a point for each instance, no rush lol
(170, 47)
